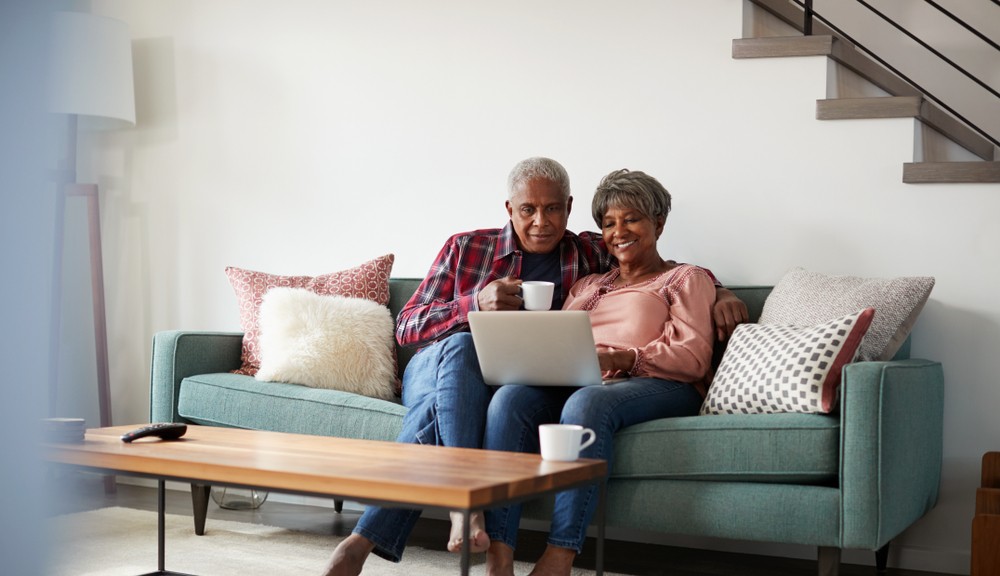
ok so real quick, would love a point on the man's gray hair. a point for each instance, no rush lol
(635, 190)
(538, 167)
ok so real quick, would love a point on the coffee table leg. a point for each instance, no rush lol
(161, 532)
(466, 541)
(161, 525)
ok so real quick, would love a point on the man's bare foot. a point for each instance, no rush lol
(499, 559)
(349, 557)
(477, 531)
(555, 561)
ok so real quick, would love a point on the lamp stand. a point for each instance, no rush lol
(89, 191)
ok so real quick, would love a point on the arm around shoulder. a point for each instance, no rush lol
(727, 313)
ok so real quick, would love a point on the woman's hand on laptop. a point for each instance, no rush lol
(615, 361)
(502, 294)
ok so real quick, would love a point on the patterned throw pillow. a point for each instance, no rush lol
(369, 280)
(806, 298)
(770, 368)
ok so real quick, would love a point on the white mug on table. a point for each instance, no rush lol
(563, 442)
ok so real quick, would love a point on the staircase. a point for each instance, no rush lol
(884, 95)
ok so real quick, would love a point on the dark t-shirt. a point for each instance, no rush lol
(544, 267)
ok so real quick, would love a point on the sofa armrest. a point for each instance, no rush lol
(891, 446)
(178, 354)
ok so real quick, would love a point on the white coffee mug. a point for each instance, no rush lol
(537, 295)
(563, 442)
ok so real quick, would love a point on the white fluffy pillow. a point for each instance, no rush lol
(327, 342)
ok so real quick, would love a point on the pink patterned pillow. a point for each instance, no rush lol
(369, 280)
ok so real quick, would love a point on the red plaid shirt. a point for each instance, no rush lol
(470, 261)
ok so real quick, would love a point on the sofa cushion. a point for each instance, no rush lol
(769, 368)
(327, 342)
(368, 280)
(802, 297)
(400, 292)
(237, 401)
(770, 448)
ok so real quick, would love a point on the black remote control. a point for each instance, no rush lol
(162, 430)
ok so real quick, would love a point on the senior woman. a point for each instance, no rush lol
(652, 323)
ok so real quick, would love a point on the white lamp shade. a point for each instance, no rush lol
(91, 70)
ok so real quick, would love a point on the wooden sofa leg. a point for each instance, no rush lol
(882, 558)
(199, 502)
(986, 522)
(338, 506)
(828, 560)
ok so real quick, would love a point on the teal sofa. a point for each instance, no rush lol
(851, 480)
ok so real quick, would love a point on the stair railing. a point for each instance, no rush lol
(810, 14)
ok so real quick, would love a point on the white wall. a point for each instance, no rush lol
(302, 137)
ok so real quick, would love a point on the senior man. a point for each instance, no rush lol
(442, 385)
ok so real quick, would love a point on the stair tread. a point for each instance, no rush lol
(951, 172)
(782, 46)
(875, 107)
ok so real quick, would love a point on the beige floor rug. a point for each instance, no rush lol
(122, 542)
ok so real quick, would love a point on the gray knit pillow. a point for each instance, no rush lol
(804, 298)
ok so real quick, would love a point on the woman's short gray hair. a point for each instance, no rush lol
(635, 190)
(538, 167)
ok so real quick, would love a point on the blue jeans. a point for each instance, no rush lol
(447, 400)
(512, 425)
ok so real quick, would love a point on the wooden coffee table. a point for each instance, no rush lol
(370, 472)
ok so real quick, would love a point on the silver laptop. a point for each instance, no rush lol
(545, 348)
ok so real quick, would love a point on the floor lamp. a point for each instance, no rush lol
(91, 83)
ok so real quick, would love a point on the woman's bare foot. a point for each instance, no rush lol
(555, 561)
(477, 531)
(349, 556)
(499, 559)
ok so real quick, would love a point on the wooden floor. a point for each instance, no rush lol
(84, 491)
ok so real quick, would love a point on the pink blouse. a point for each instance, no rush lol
(666, 320)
